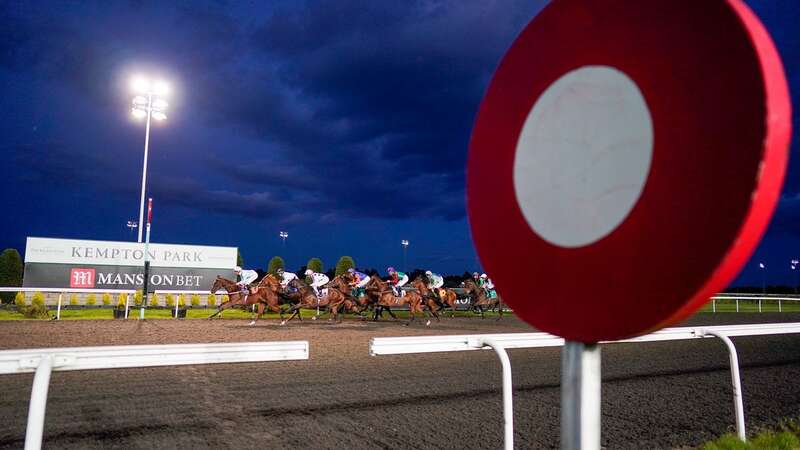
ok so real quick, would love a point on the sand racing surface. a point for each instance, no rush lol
(655, 395)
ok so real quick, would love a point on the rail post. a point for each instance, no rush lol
(580, 396)
(713, 305)
(38, 403)
(736, 382)
(58, 310)
(779, 306)
(508, 389)
(126, 306)
(737, 305)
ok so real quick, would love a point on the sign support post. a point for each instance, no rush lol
(580, 396)
(146, 259)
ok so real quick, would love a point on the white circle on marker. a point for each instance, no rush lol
(583, 156)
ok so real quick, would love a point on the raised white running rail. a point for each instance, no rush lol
(500, 342)
(44, 361)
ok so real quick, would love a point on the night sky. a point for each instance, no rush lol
(345, 123)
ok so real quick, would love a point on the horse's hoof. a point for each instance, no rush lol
(314, 318)
(428, 323)
(252, 323)
(283, 322)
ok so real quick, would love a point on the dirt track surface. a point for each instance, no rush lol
(655, 395)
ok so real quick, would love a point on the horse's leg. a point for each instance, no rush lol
(500, 310)
(260, 312)
(295, 311)
(434, 312)
(389, 310)
(220, 308)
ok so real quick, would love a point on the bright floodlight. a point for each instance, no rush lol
(404, 242)
(139, 100)
(140, 85)
(161, 87)
(138, 113)
(160, 104)
(761, 265)
(158, 115)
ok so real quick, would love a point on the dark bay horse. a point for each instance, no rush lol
(481, 301)
(263, 297)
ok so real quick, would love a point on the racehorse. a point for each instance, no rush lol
(480, 300)
(340, 290)
(262, 297)
(428, 296)
(387, 299)
(309, 300)
(448, 297)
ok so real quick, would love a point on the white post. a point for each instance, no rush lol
(38, 403)
(713, 305)
(779, 306)
(508, 387)
(58, 310)
(146, 258)
(126, 306)
(759, 305)
(736, 383)
(177, 302)
(580, 396)
(144, 169)
(737, 305)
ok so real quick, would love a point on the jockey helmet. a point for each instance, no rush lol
(390, 270)
(474, 274)
(351, 270)
(309, 272)
(279, 270)
(483, 275)
(428, 273)
(237, 269)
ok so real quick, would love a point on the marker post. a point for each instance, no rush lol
(146, 259)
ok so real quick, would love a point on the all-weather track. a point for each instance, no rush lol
(655, 395)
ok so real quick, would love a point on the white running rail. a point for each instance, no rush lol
(44, 361)
(501, 342)
(760, 297)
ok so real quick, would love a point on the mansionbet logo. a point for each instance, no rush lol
(81, 278)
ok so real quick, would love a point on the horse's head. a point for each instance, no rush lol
(217, 284)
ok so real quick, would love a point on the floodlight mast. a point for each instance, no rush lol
(152, 106)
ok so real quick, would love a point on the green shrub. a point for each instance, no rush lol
(195, 300)
(38, 299)
(137, 297)
(36, 310)
(11, 269)
(212, 300)
(315, 264)
(274, 264)
(19, 299)
(182, 300)
(154, 300)
(170, 300)
(344, 263)
(106, 299)
(73, 299)
(122, 300)
(91, 299)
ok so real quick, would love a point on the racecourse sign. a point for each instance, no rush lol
(120, 265)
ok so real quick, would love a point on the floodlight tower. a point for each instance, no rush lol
(148, 103)
(793, 265)
(404, 243)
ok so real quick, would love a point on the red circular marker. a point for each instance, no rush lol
(626, 160)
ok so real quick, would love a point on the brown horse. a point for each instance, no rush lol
(428, 296)
(387, 299)
(309, 300)
(481, 301)
(263, 297)
(448, 298)
(372, 298)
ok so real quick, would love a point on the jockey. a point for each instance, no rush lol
(435, 281)
(397, 280)
(317, 280)
(361, 280)
(477, 279)
(245, 277)
(488, 286)
(285, 277)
